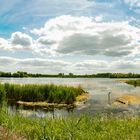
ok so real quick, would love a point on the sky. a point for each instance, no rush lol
(70, 36)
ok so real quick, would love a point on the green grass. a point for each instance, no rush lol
(34, 93)
(84, 127)
(2, 95)
(133, 82)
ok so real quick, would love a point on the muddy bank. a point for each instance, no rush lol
(127, 100)
(79, 99)
(45, 104)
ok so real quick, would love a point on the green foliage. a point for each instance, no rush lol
(133, 82)
(2, 95)
(70, 75)
(33, 93)
(85, 127)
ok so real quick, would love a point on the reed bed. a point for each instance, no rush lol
(36, 93)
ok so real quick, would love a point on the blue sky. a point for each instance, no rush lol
(79, 36)
(28, 13)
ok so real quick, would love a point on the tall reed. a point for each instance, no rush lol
(33, 93)
(2, 95)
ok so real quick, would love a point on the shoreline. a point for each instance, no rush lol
(122, 81)
(133, 82)
(79, 99)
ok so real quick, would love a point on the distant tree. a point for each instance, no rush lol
(71, 74)
(16, 74)
(61, 74)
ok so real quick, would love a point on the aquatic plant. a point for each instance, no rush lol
(133, 82)
(34, 93)
(2, 95)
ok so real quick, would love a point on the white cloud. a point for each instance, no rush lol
(4, 44)
(68, 35)
(97, 66)
(127, 64)
(21, 39)
(84, 36)
(38, 65)
(75, 36)
(33, 65)
(90, 66)
(18, 41)
(7, 61)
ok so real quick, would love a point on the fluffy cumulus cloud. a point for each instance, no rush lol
(17, 41)
(67, 38)
(87, 36)
(69, 35)
(21, 39)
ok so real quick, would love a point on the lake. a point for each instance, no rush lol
(98, 88)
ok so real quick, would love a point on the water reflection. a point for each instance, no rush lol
(97, 87)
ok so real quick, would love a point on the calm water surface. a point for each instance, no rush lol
(97, 87)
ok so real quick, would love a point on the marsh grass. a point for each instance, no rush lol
(133, 82)
(100, 127)
(2, 96)
(35, 93)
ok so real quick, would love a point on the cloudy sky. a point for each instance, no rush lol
(78, 36)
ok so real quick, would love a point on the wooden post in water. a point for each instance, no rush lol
(109, 98)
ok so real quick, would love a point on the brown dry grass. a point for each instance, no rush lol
(44, 104)
(82, 97)
(5, 134)
(128, 99)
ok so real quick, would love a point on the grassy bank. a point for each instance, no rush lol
(133, 82)
(72, 128)
(39, 93)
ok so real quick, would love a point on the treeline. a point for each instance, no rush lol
(70, 75)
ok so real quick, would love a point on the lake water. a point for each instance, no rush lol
(97, 87)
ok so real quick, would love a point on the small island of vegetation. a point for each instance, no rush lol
(133, 82)
(40, 95)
